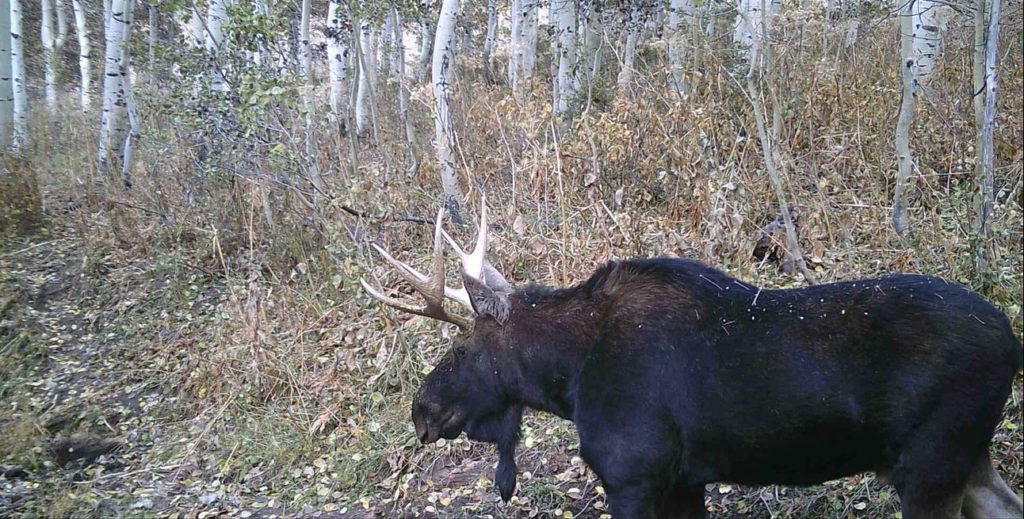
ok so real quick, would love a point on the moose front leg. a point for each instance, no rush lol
(683, 502)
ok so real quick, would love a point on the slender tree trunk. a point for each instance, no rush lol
(772, 156)
(133, 131)
(62, 25)
(444, 129)
(154, 30)
(590, 53)
(906, 120)
(524, 47)
(196, 32)
(426, 48)
(6, 84)
(84, 56)
(49, 39)
(634, 24)
(18, 76)
(367, 78)
(216, 44)
(338, 34)
(115, 85)
(749, 33)
(515, 42)
(565, 13)
(529, 41)
(927, 37)
(492, 32)
(403, 92)
(680, 13)
(986, 152)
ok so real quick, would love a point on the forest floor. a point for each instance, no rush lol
(92, 427)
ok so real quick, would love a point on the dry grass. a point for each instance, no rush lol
(281, 382)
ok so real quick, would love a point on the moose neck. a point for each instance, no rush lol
(550, 333)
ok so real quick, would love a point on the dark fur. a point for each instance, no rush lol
(677, 375)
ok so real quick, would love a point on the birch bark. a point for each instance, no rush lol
(444, 129)
(18, 75)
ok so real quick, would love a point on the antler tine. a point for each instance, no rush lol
(473, 263)
(431, 287)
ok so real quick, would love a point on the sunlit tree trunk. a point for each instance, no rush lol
(986, 147)
(492, 31)
(196, 33)
(367, 78)
(590, 41)
(403, 91)
(84, 56)
(444, 129)
(905, 120)
(113, 123)
(529, 29)
(680, 13)
(565, 13)
(216, 44)
(927, 37)
(49, 39)
(6, 84)
(748, 32)
(515, 41)
(62, 24)
(338, 35)
(634, 24)
(154, 32)
(524, 46)
(18, 75)
(426, 48)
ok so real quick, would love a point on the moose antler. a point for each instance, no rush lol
(475, 264)
(431, 287)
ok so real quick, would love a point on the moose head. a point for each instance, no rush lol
(462, 393)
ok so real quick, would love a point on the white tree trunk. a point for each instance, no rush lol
(524, 46)
(680, 13)
(196, 34)
(426, 48)
(49, 39)
(927, 21)
(113, 127)
(529, 29)
(62, 25)
(634, 24)
(216, 44)
(403, 89)
(565, 13)
(84, 56)
(986, 153)
(154, 30)
(492, 31)
(6, 85)
(749, 30)
(590, 41)
(305, 54)
(338, 36)
(444, 129)
(18, 75)
(906, 120)
(515, 45)
(367, 78)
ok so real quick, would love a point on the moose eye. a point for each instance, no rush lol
(460, 351)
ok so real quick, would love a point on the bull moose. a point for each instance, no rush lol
(677, 375)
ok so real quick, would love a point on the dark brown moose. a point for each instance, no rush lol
(677, 375)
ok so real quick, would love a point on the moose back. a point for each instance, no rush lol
(677, 375)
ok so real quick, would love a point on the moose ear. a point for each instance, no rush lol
(486, 300)
(494, 279)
